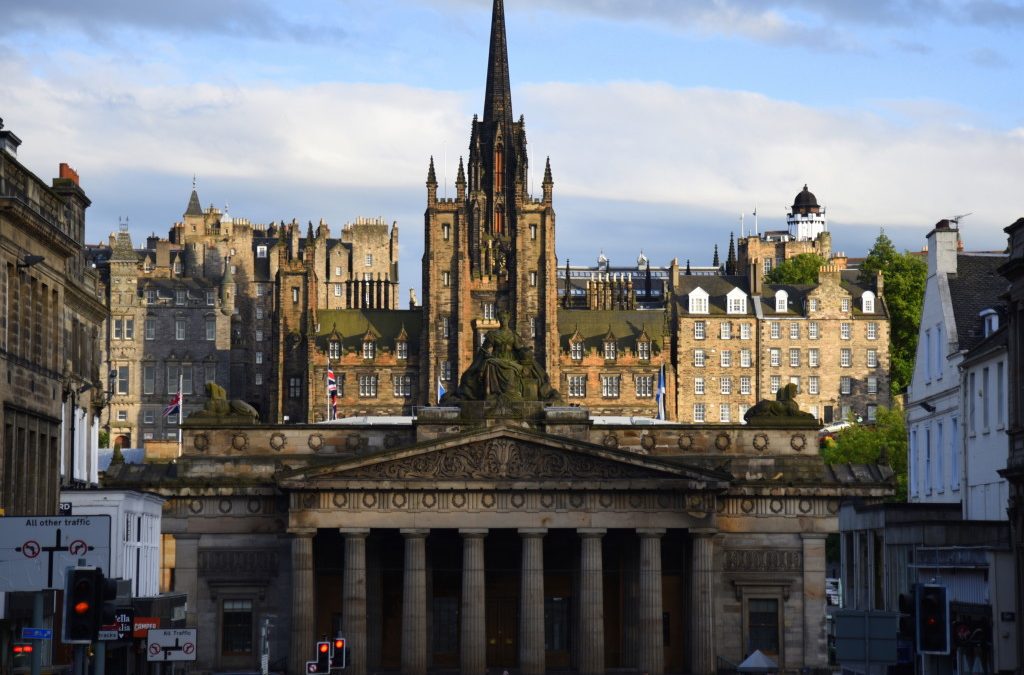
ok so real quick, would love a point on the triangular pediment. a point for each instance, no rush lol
(505, 455)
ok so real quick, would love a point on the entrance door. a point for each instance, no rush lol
(502, 633)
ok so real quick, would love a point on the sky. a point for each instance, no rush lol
(665, 120)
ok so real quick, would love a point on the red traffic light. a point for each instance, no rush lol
(339, 643)
(323, 647)
(20, 649)
(81, 607)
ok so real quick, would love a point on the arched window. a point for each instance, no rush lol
(867, 302)
(781, 301)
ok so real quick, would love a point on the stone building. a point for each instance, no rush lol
(49, 337)
(807, 233)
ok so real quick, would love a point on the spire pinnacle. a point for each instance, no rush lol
(461, 177)
(498, 89)
(431, 175)
(547, 172)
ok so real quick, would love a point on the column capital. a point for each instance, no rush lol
(645, 532)
(473, 532)
(532, 531)
(354, 532)
(302, 532)
(591, 531)
(703, 532)
(414, 532)
(813, 535)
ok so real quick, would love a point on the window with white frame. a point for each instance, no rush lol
(610, 350)
(259, 312)
(337, 290)
(745, 385)
(402, 349)
(533, 279)
(775, 329)
(446, 231)
(991, 321)
(698, 358)
(699, 330)
(867, 302)
(845, 384)
(369, 349)
(577, 386)
(775, 383)
(402, 385)
(725, 358)
(295, 295)
(813, 357)
(954, 453)
(725, 331)
(737, 302)
(698, 385)
(723, 412)
(149, 417)
(533, 326)
(445, 325)
(813, 385)
(872, 384)
(576, 350)
(259, 336)
(872, 358)
(172, 377)
(610, 386)
(180, 296)
(844, 305)
(179, 329)
(794, 330)
(812, 330)
(781, 301)
(151, 296)
(211, 298)
(812, 305)
(150, 328)
(261, 251)
(698, 301)
(148, 379)
(367, 386)
(643, 350)
(446, 371)
(845, 358)
(725, 385)
(844, 330)
(775, 357)
(768, 265)
(872, 330)
(115, 333)
(698, 412)
(644, 386)
(446, 278)
(259, 358)
(211, 328)
(186, 379)
(744, 358)
(488, 310)
(294, 387)
(794, 358)
(368, 261)
(744, 331)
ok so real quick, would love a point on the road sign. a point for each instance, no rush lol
(107, 635)
(36, 634)
(35, 550)
(124, 619)
(173, 644)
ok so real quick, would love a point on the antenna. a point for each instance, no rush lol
(956, 219)
(742, 231)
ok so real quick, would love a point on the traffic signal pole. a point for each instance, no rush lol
(37, 621)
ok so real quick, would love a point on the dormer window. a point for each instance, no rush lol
(334, 349)
(261, 251)
(402, 349)
(643, 350)
(610, 350)
(369, 349)
(576, 350)
(991, 321)
(781, 301)
(488, 309)
(698, 301)
(867, 302)
(736, 302)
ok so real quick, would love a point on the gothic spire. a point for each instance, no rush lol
(714, 260)
(194, 208)
(498, 90)
(431, 175)
(460, 179)
(547, 172)
(730, 260)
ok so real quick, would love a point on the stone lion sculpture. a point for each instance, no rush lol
(784, 406)
(218, 406)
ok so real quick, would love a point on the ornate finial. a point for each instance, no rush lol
(547, 172)
(193, 181)
(431, 175)
(461, 177)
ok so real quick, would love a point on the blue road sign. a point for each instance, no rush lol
(36, 634)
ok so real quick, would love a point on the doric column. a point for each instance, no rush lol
(303, 599)
(702, 641)
(353, 607)
(414, 603)
(474, 635)
(591, 602)
(374, 605)
(531, 603)
(814, 600)
(651, 648)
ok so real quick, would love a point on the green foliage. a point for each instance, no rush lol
(800, 269)
(883, 442)
(104, 438)
(904, 276)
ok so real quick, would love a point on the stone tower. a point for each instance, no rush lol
(492, 247)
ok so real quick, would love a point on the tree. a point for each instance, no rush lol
(884, 442)
(104, 438)
(800, 269)
(904, 278)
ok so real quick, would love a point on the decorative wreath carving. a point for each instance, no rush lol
(685, 441)
(201, 442)
(518, 500)
(253, 506)
(224, 505)
(278, 441)
(611, 441)
(487, 501)
(430, 500)
(315, 442)
(747, 505)
(798, 442)
(398, 500)
(240, 441)
(723, 441)
(776, 506)
(648, 441)
(195, 506)
(458, 500)
(761, 442)
(340, 499)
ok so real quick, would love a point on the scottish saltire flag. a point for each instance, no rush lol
(440, 389)
(172, 407)
(661, 393)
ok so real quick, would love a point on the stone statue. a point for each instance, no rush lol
(783, 410)
(219, 408)
(504, 370)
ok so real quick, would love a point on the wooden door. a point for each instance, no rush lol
(502, 633)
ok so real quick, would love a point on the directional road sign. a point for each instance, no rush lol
(36, 634)
(35, 550)
(173, 644)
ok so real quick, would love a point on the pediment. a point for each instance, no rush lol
(508, 455)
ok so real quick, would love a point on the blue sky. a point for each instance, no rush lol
(664, 119)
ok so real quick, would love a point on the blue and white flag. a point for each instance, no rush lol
(661, 393)
(440, 389)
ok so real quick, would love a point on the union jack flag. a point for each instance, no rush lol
(332, 383)
(172, 407)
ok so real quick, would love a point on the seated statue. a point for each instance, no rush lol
(784, 406)
(219, 407)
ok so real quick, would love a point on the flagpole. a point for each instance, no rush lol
(327, 388)
(181, 407)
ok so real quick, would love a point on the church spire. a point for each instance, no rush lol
(498, 90)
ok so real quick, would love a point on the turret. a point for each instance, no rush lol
(227, 290)
(460, 183)
(548, 184)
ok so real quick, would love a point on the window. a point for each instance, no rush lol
(576, 350)
(367, 386)
(333, 350)
(954, 453)
(726, 330)
(402, 349)
(698, 385)
(533, 231)
(991, 319)
(261, 251)
(763, 625)
(1000, 396)
(644, 386)
(446, 279)
(610, 386)
(725, 358)
(122, 415)
(533, 279)
(186, 379)
(940, 475)
(260, 291)
(150, 328)
(744, 358)
(867, 302)
(122, 380)
(294, 387)
(845, 384)
(488, 310)
(236, 627)
(741, 412)
(972, 399)
(148, 417)
(776, 330)
(148, 379)
(744, 331)
(872, 358)
(295, 294)
(813, 357)
(177, 266)
(845, 305)
(180, 296)
(211, 298)
(927, 460)
(775, 357)
(939, 352)
(723, 412)
(844, 330)
(533, 326)
(812, 305)
(767, 265)
(337, 290)
(116, 332)
(698, 330)
(725, 385)
(446, 371)
(369, 260)
(369, 349)
(211, 328)
(445, 329)
(776, 382)
(794, 330)
(872, 384)
(985, 395)
(151, 296)
(813, 385)
(845, 358)
(737, 305)
(402, 385)
(643, 350)
(698, 301)
(872, 330)
(577, 386)
(129, 329)
(781, 301)
(698, 358)
(794, 358)
(179, 329)
(259, 336)
(211, 372)
(745, 385)
(912, 463)
(257, 378)
(812, 330)
(259, 358)
(698, 412)
(872, 411)
(446, 231)
(609, 350)
(172, 378)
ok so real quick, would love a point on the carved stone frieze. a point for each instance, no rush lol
(502, 459)
(762, 561)
(238, 564)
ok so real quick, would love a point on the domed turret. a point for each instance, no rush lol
(807, 218)
(805, 201)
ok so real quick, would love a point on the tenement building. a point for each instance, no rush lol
(50, 384)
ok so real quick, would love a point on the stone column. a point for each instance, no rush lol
(374, 605)
(353, 607)
(414, 603)
(814, 600)
(303, 599)
(591, 602)
(651, 647)
(531, 603)
(473, 659)
(702, 595)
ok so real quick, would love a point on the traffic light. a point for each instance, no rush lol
(82, 600)
(22, 649)
(339, 653)
(108, 601)
(932, 619)
(323, 657)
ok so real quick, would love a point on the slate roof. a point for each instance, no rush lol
(385, 325)
(625, 324)
(975, 286)
(716, 286)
